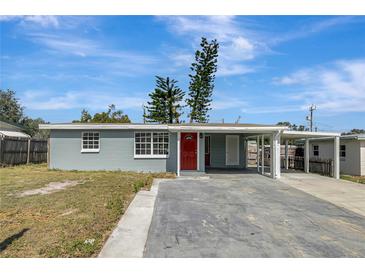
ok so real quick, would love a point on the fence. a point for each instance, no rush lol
(316, 165)
(14, 151)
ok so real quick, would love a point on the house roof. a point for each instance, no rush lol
(251, 129)
(15, 134)
(7, 125)
(207, 127)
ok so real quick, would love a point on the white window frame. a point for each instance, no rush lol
(151, 156)
(89, 150)
(316, 150)
(342, 150)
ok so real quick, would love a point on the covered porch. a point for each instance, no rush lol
(223, 147)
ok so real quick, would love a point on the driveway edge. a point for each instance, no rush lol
(128, 239)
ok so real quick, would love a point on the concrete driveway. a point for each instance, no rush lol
(249, 215)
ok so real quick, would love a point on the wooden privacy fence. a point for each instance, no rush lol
(316, 165)
(14, 151)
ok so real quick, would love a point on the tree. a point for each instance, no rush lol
(292, 126)
(85, 116)
(202, 81)
(10, 108)
(31, 127)
(110, 116)
(354, 131)
(12, 111)
(164, 106)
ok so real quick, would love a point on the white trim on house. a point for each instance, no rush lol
(152, 155)
(174, 128)
(89, 150)
(87, 126)
(308, 134)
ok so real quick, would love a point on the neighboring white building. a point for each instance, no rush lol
(8, 129)
(352, 153)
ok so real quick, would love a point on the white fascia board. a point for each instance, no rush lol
(102, 126)
(182, 128)
(223, 129)
(309, 134)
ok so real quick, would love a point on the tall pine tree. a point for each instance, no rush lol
(164, 106)
(202, 81)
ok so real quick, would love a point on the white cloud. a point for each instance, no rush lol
(311, 28)
(273, 109)
(87, 47)
(336, 87)
(221, 102)
(237, 45)
(298, 77)
(92, 100)
(41, 20)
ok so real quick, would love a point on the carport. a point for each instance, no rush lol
(283, 137)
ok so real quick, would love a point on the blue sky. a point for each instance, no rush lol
(270, 68)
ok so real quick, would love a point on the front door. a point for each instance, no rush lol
(189, 144)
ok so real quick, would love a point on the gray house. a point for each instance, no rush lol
(352, 153)
(173, 147)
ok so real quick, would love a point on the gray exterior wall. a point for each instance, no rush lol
(116, 153)
(218, 151)
(352, 164)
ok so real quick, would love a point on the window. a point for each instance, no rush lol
(151, 144)
(343, 151)
(315, 150)
(90, 142)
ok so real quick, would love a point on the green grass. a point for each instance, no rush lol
(73, 222)
(356, 179)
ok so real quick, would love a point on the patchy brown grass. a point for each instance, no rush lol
(72, 222)
(356, 179)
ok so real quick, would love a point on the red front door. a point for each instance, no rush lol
(189, 151)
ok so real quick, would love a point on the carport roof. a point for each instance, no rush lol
(291, 134)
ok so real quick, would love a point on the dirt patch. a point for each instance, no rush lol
(48, 189)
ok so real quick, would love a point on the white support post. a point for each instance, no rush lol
(275, 156)
(263, 154)
(271, 156)
(178, 153)
(336, 158)
(286, 154)
(306, 156)
(258, 154)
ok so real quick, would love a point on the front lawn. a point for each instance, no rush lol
(71, 222)
(356, 179)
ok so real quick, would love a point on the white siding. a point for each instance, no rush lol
(349, 164)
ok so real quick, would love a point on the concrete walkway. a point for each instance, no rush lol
(129, 237)
(342, 193)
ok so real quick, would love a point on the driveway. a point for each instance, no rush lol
(339, 192)
(249, 215)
